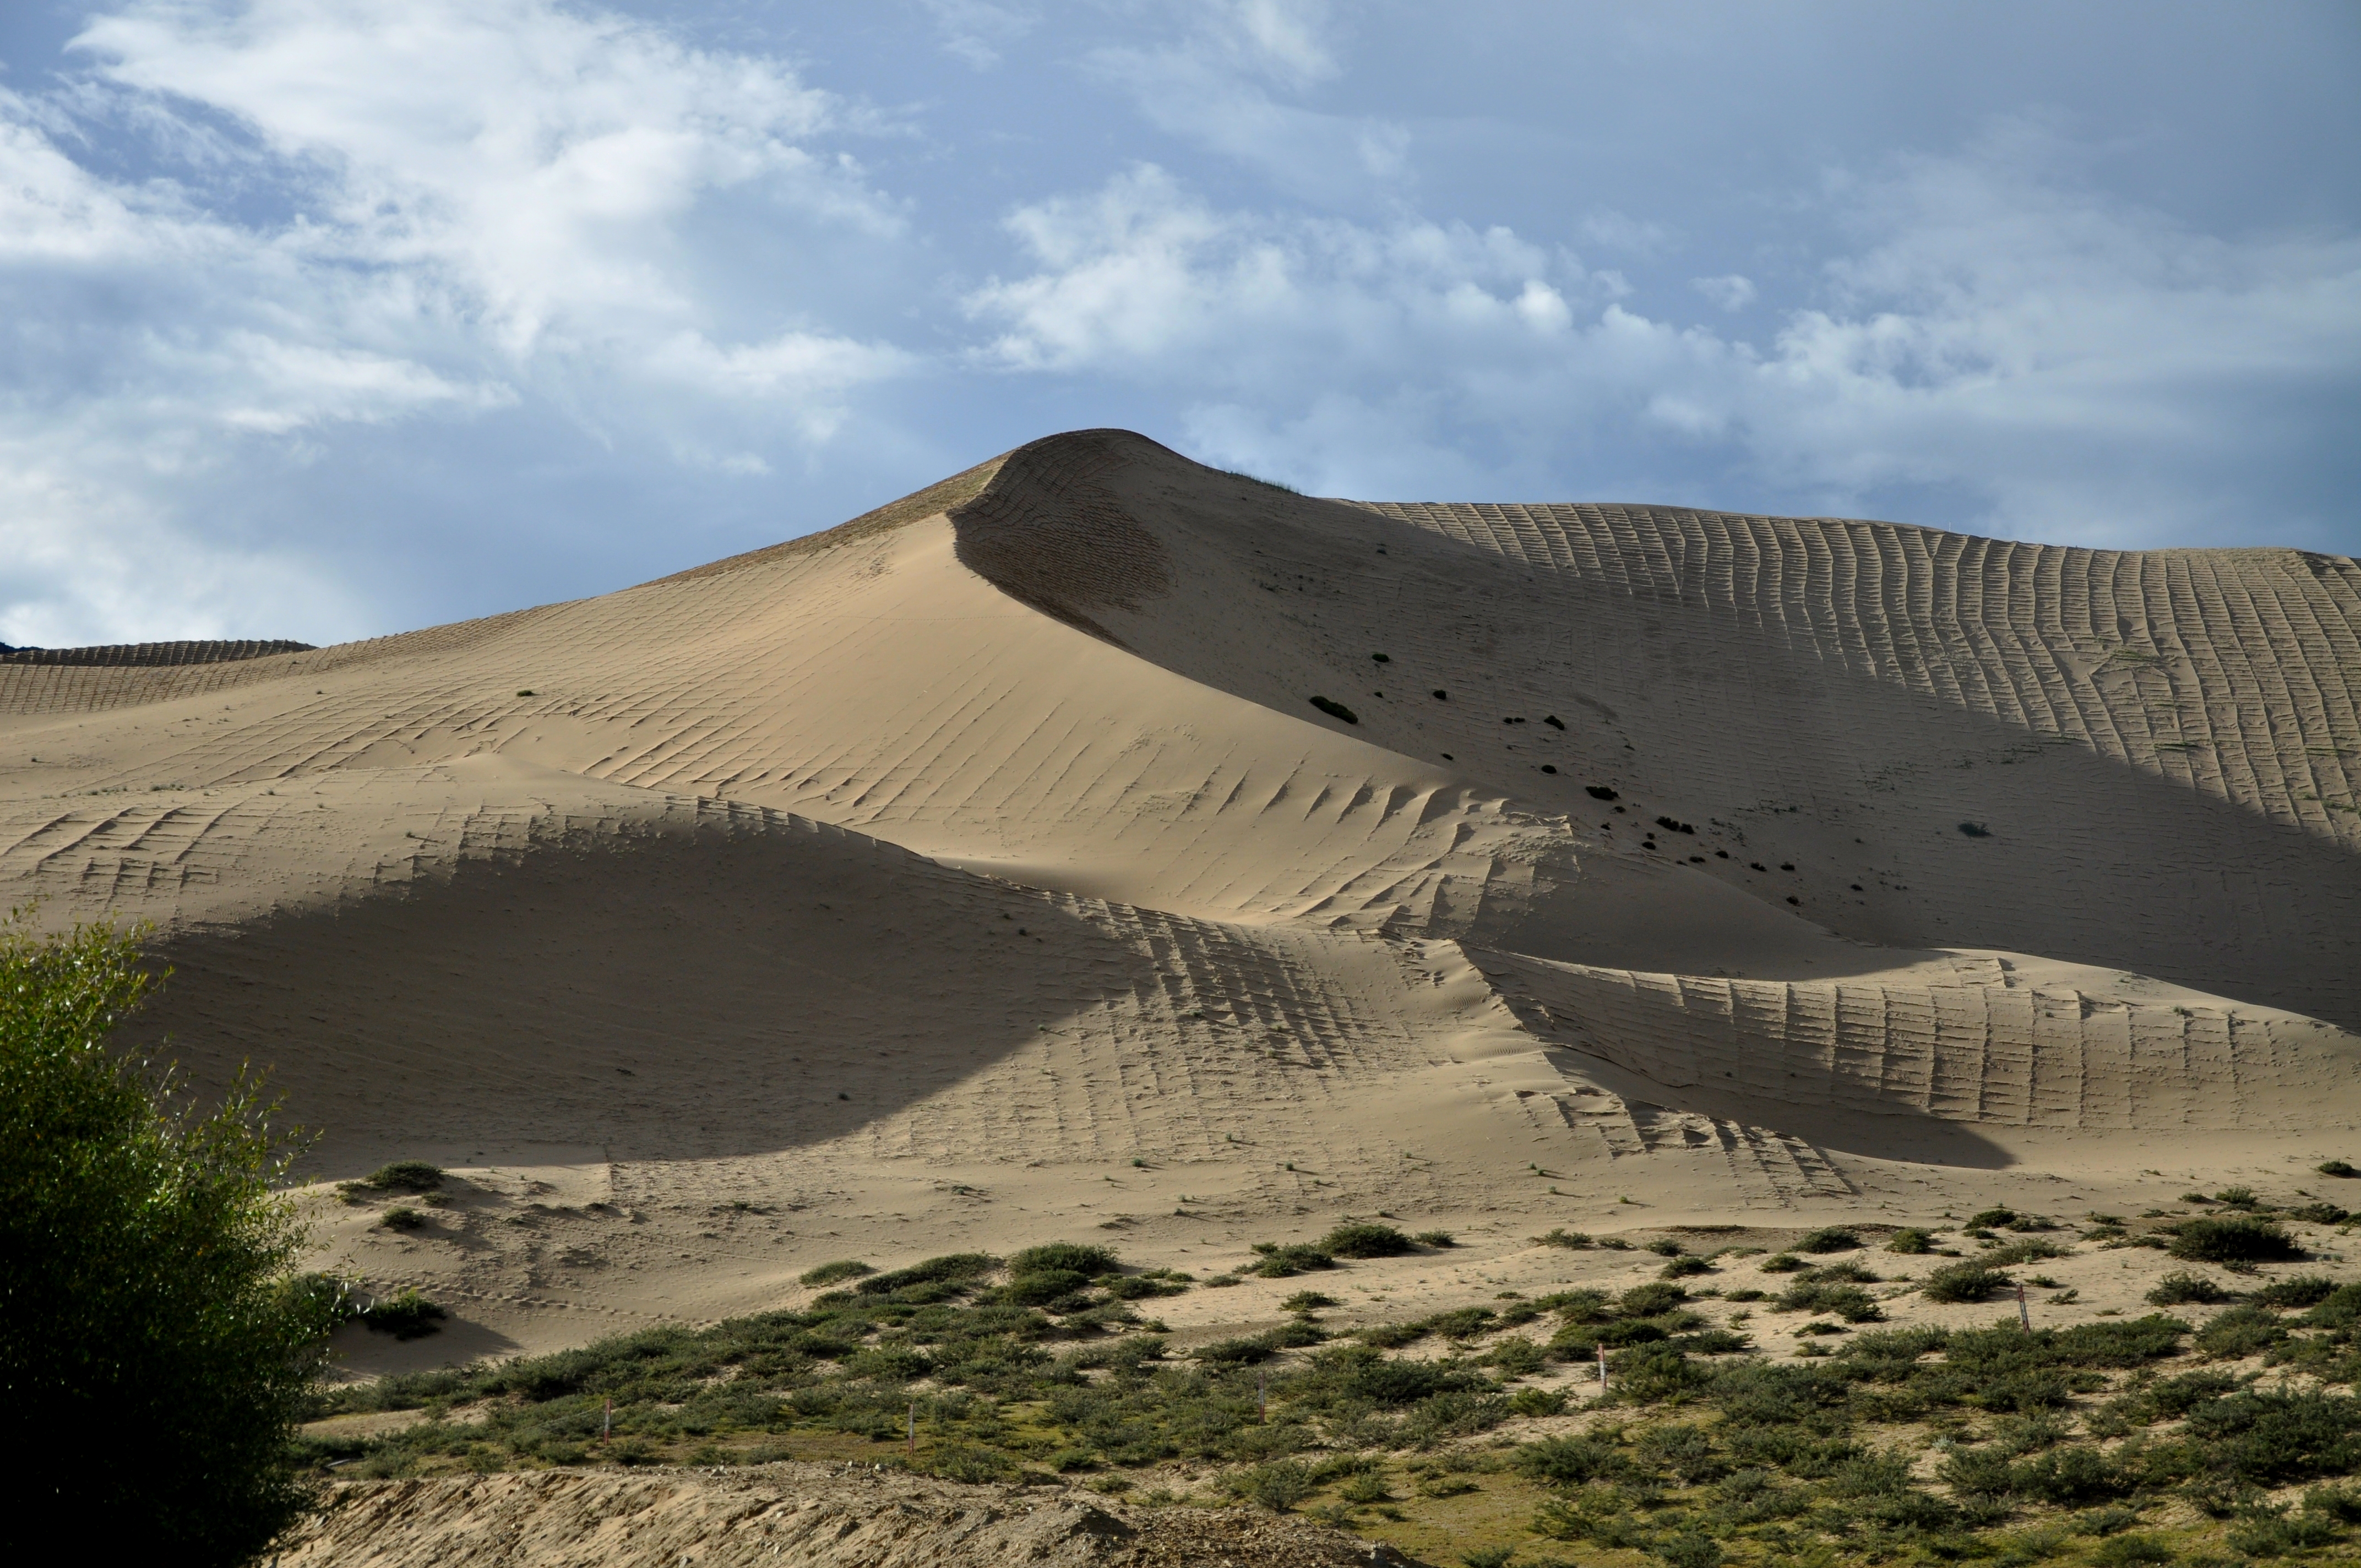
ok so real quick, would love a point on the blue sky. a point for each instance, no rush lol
(327, 318)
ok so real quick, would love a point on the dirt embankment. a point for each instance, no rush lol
(809, 1515)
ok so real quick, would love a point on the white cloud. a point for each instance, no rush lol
(1221, 84)
(2079, 368)
(306, 295)
(1612, 230)
(1731, 292)
(469, 206)
(1142, 279)
(977, 30)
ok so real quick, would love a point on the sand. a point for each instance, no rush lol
(980, 872)
(813, 1516)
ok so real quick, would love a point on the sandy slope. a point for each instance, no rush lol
(980, 871)
(813, 1516)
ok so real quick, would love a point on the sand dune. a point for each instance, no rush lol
(981, 870)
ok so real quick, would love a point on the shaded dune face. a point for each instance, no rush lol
(2155, 754)
(997, 828)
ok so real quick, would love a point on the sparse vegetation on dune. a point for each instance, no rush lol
(2151, 1429)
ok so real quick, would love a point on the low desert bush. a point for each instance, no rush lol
(1967, 1281)
(832, 1272)
(2304, 1290)
(2176, 1289)
(1366, 1240)
(2238, 1239)
(406, 1315)
(405, 1176)
(1826, 1241)
(1277, 1262)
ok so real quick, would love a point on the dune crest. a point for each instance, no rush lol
(985, 866)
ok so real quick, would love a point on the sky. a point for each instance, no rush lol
(324, 319)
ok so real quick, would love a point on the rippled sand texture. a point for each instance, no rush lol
(983, 869)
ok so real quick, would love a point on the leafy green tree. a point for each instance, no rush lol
(154, 1353)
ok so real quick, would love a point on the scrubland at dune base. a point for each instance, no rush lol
(1099, 846)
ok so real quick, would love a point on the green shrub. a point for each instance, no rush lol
(1833, 1239)
(2240, 1331)
(1964, 1281)
(2070, 1478)
(1686, 1268)
(1042, 1287)
(1992, 1219)
(1435, 1239)
(1088, 1261)
(2270, 1438)
(1689, 1550)
(1537, 1402)
(402, 1218)
(1574, 1239)
(2276, 1535)
(1685, 1451)
(2130, 1551)
(406, 1315)
(1649, 1374)
(1910, 1239)
(2034, 1250)
(1515, 1357)
(1783, 1263)
(2340, 1503)
(2339, 1309)
(2238, 1239)
(1366, 1241)
(2336, 1168)
(2304, 1290)
(2320, 1214)
(1487, 1557)
(1279, 1262)
(1849, 1302)
(1650, 1301)
(970, 1463)
(405, 1176)
(1306, 1302)
(957, 1268)
(2175, 1290)
(830, 1273)
(1402, 1382)
(147, 1291)
(1571, 1460)
(1391, 1336)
